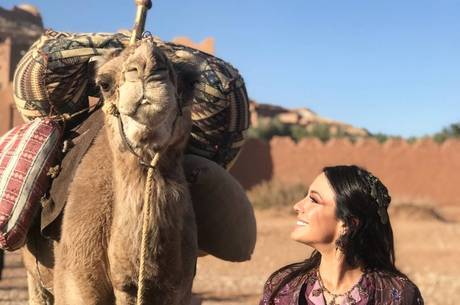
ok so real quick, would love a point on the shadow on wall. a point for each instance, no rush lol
(254, 164)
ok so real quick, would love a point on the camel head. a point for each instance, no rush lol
(152, 95)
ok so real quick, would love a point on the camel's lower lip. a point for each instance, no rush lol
(130, 119)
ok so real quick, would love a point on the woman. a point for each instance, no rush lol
(344, 218)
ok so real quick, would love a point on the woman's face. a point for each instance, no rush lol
(317, 225)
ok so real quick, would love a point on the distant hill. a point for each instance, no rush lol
(302, 118)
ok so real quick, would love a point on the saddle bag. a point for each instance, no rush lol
(55, 78)
(27, 153)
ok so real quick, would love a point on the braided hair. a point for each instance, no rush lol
(362, 201)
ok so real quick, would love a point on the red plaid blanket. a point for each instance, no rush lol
(27, 152)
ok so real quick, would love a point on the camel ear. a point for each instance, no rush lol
(186, 81)
(187, 74)
(94, 64)
(98, 61)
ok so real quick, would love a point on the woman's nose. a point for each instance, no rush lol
(298, 207)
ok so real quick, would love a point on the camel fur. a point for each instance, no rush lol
(96, 261)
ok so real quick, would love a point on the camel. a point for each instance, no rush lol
(96, 260)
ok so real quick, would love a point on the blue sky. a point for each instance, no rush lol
(388, 66)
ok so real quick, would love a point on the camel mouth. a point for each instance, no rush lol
(131, 124)
(145, 133)
(146, 113)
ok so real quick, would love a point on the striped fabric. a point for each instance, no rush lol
(52, 78)
(26, 154)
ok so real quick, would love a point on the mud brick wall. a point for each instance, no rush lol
(422, 172)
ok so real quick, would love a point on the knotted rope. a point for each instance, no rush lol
(146, 217)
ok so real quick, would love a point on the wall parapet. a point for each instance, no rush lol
(390, 143)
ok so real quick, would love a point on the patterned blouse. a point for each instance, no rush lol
(374, 288)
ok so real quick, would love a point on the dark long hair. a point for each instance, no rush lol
(361, 203)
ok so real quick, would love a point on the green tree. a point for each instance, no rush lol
(321, 131)
(381, 137)
(298, 132)
(452, 131)
(267, 130)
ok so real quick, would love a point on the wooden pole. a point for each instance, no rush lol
(142, 7)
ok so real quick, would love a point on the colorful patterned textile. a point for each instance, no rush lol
(374, 288)
(54, 78)
(27, 152)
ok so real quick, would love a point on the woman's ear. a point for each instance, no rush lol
(346, 228)
(343, 228)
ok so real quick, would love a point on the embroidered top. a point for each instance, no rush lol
(374, 288)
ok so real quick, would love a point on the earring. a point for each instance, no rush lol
(340, 243)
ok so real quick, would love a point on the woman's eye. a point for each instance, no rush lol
(312, 199)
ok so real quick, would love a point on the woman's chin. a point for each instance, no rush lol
(298, 234)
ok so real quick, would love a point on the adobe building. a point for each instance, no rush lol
(19, 28)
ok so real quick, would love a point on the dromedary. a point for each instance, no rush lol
(96, 260)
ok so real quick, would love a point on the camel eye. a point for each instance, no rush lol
(104, 86)
(158, 75)
(105, 83)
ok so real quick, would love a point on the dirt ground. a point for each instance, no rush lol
(426, 249)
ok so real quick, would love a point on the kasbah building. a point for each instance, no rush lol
(19, 28)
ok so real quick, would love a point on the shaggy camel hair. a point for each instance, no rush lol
(96, 260)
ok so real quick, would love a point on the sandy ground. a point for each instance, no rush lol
(427, 250)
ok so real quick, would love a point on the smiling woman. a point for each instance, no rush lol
(344, 218)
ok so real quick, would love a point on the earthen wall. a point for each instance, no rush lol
(422, 172)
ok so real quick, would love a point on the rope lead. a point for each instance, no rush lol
(146, 218)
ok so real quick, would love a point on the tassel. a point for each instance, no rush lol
(110, 109)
